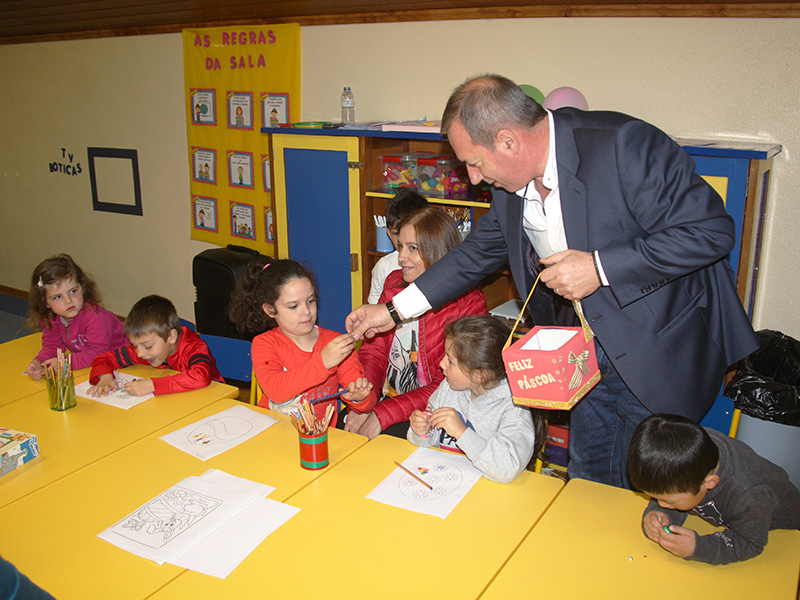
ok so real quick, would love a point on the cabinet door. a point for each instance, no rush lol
(317, 216)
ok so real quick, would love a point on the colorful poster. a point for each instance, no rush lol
(238, 79)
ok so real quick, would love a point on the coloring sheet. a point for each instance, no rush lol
(208, 523)
(117, 397)
(218, 433)
(450, 476)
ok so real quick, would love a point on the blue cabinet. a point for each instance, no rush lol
(740, 172)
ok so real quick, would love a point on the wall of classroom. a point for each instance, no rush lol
(731, 78)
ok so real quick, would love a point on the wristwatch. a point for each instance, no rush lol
(393, 312)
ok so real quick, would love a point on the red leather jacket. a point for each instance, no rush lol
(374, 353)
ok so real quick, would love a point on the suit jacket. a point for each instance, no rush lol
(670, 321)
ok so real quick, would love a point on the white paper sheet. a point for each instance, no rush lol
(223, 550)
(220, 432)
(176, 519)
(118, 398)
(211, 544)
(451, 475)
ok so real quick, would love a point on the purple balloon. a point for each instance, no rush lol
(565, 96)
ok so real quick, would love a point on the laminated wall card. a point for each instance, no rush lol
(551, 367)
(16, 448)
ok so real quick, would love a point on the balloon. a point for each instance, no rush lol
(565, 96)
(533, 92)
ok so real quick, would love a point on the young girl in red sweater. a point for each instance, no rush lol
(296, 359)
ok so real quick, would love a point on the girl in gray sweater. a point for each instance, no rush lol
(472, 412)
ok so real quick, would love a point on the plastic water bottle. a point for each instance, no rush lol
(348, 107)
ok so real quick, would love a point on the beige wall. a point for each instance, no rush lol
(732, 78)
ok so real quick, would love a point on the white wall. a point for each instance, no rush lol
(730, 78)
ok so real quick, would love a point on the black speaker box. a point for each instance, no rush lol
(214, 274)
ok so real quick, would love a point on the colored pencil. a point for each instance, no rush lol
(417, 477)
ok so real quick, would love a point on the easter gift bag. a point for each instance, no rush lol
(551, 367)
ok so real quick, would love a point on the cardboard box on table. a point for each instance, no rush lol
(16, 448)
(551, 367)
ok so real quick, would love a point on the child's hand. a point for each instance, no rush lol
(357, 390)
(50, 363)
(653, 524)
(337, 350)
(681, 542)
(447, 418)
(35, 370)
(105, 384)
(139, 387)
(420, 421)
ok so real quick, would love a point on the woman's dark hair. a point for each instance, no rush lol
(477, 344)
(53, 271)
(671, 454)
(261, 284)
(436, 233)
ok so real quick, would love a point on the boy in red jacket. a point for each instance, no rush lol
(157, 339)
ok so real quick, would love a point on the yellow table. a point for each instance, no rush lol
(590, 544)
(50, 535)
(343, 545)
(76, 437)
(15, 356)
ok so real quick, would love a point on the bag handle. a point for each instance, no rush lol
(588, 334)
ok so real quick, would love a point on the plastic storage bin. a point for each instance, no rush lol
(400, 170)
(442, 177)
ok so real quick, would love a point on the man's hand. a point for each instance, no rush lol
(570, 274)
(368, 320)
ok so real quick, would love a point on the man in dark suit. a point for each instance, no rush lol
(612, 211)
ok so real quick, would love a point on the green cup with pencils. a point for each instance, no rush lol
(60, 383)
(313, 435)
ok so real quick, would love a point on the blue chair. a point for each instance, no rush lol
(722, 416)
(232, 356)
(188, 324)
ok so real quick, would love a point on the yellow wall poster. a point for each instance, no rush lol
(238, 80)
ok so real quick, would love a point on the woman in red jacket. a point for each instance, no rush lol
(403, 364)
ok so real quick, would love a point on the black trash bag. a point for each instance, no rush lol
(767, 383)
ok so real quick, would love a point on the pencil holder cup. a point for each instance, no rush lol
(314, 451)
(384, 244)
(61, 394)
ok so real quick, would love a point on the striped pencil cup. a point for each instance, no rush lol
(314, 451)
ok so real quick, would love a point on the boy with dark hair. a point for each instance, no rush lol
(402, 204)
(688, 469)
(157, 339)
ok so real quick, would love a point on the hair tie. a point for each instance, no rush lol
(264, 268)
(40, 283)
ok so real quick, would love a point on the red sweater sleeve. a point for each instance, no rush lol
(104, 364)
